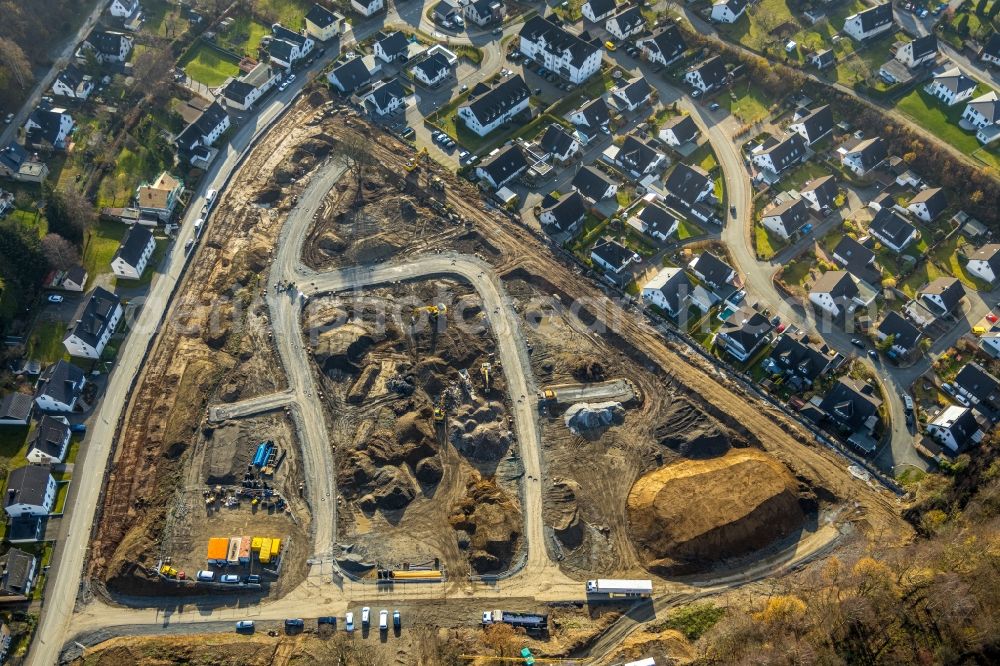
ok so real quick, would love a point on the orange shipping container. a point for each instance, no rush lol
(218, 547)
(245, 549)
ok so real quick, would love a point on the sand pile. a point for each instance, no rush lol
(592, 419)
(691, 514)
(490, 522)
(562, 511)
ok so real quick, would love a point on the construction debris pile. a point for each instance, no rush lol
(592, 419)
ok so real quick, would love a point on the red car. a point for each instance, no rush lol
(992, 318)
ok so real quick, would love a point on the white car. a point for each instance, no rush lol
(55, 298)
(366, 613)
(210, 196)
(383, 620)
(291, 77)
(283, 86)
(349, 622)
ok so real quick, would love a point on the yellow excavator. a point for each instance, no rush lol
(433, 310)
(439, 410)
(414, 164)
(485, 369)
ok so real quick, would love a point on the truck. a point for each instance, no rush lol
(531, 622)
(613, 587)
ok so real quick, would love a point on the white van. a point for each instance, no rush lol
(197, 226)
(383, 620)
(210, 196)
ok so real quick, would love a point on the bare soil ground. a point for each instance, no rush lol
(417, 488)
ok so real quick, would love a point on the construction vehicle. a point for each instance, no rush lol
(485, 369)
(614, 588)
(437, 184)
(530, 622)
(414, 164)
(526, 658)
(549, 394)
(439, 410)
(433, 310)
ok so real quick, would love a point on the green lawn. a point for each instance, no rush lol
(30, 218)
(802, 175)
(244, 35)
(767, 243)
(289, 13)
(161, 17)
(946, 255)
(13, 446)
(100, 247)
(746, 102)
(922, 274)
(73, 450)
(686, 229)
(45, 341)
(940, 120)
(131, 167)
(208, 66)
(798, 272)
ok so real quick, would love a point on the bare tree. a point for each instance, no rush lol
(70, 213)
(149, 70)
(13, 59)
(59, 252)
(356, 153)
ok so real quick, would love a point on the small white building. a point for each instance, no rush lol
(95, 325)
(497, 106)
(559, 50)
(951, 86)
(955, 427)
(626, 23)
(48, 442)
(368, 7)
(728, 11)
(596, 11)
(31, 491)
(134, 253)
(322, 24)
(870, 23)
(670, 290)
(59, 388)
(73, 84)
(985, 262)
(983, 113)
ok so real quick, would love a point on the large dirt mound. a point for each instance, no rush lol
(491, 522)
(691, 514)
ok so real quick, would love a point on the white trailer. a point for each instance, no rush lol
(614, 587)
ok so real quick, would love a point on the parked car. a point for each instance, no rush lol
(396, 621)
(55, 298)
(365, 616)
(78, 427)
(8, 119)
(291, 77)
(383, 620)
(463, 154)
(205, 576)
(498, 30)
(283, 86)
(245, 625)
(294, 624)
(327, 620)
(252, 579)
(349, 622)
(947, 388)
(962, 400)
(907, 402)
(873, 354)
(714, 106)
(407, 132)
(857, 342)
(230, 579)
(732, 211)
(609, 45)
(464, 88)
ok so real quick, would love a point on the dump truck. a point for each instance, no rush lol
(530, 622)
(616, 587)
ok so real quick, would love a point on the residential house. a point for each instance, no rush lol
(920, 51)
(990, 52)
(944, 293)
(928, 203)
(322, 24)
(626, 23)
(159, 198)
(392, 47)
(596, 11)
(484, 12)
(502, 166)
(565, 215)
(707, 75)
(814, 125)
(559, 50)
(350, 75)
(836, 293)
(75, 279)
(892, 230)
(712, 270)
(823, 59)
(59, 388)
(989, 342)
(243, 92)
(985, 262)
(18, 164)
(782, 155)
(728, 11)
(15, 409)
(638, 158)
(73, 83)
(655, 221)
(801, 359)
(123, 9)
(48, 127)
(633, 94)
(956, 428)
(852, 405)
(432, 70)
(857, 260)
(368, 7)
(288, 47)
(559, 144)
(95, 324)
(31, 491)
(612, 256)
(107, 46)
(979, 386)
(664, 46)
(864, 156)
(905, 335)
(951, 86)
(592, 117)
(743, 333)
(387, 97)
(679, 130)
(820, 194)
(498, 106)
(594, 185)
(786, 218)
(870, 23)
(688, 187)
(17, 575)
(983, 113)
(670, 290)
(48, 442)
(133, 254)
(195, 140)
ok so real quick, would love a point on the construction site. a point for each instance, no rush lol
(487, 411)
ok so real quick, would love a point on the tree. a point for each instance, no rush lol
(981, 7)
(59, 252)
(69, 213)
(355, 152)
(149, 69)
(12, 58)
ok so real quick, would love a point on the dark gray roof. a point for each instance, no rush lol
(280, 49)
(988, 105)
(684, 128)
(238, 91)
(321, 16)
(596, 112)
(923, 46)
(713, 270)
(556, 140)
(506, 164)
(96, 315)
(736, 6)
(433, 65)
(955, 80)
(352, 74)
(612, 253)
(850, 402)
(394, 44)
(282, 33)
(876, 17)
(568, 210)
(668, 41)
(818, 122)
(838, 284)
(793, 213)
(824, 57)
(601, 7)
(500, 99)
(16, 406)
(677, 286)
(712, 71)
(825, 188)
(686, 183)
(17, 572)
(49, 123)
(990, 254)
(77, 274)
(384, 92)
(974, 379)
(49, 437)
(629, 19)
(872, 152)
(13, 156)
(889, 224)
(787, 152)
(747, 327)
(657, 218)
(557, 39)
(207, 122)
(906, 334)
(591, 183)
(962, 428)
(636, 154)
(636, 90)
(27, 485)
(857, 260)
(71, 76)
(992, 47)
(949, 289)
(807, 358)
(60, 381)
(133, 244)
(934, 198)
(106, 42)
